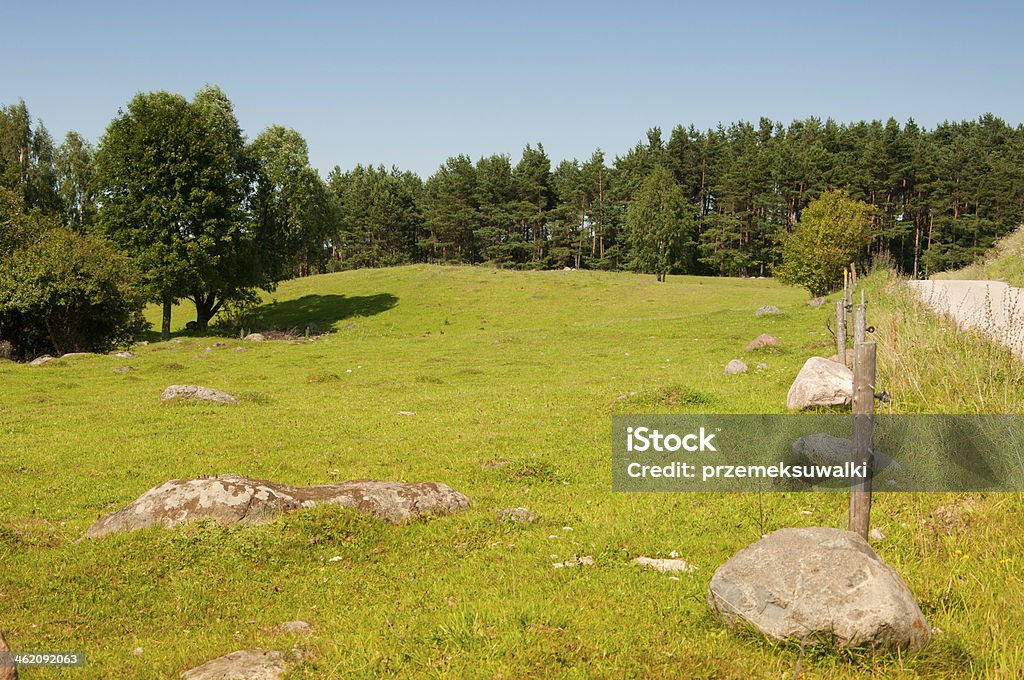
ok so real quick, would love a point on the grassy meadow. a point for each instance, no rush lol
(512, 378)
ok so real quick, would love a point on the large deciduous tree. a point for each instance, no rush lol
(176, 187)
(293, 204)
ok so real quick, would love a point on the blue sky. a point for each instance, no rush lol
(412, 83)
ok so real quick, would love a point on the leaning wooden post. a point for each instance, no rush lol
(863, 433)
(841, 330)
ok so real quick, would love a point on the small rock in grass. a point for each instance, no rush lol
(516, 515)
(767, 310)
(665, 566)
(255, 337)
(123, 369)
(625, 395)
(142, 343)
(816, 302)
(876, 534)
(178, 341)
(735, 366)
(762, 341)
(124, 355)
(247, 664)
(762, 366)
(220, 344)
(195, 392)
(407, 413)
(42, 361)
(138, 651)
(241, 349)
(585, 561)
(294, 628)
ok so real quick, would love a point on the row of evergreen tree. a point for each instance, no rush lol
(939, 197)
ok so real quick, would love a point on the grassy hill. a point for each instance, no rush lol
(513, 378)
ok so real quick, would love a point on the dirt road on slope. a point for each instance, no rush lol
(992, 307)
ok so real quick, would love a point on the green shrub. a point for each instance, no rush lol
(831, 232)
(67, 292)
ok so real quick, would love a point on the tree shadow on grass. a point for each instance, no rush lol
(322, 310)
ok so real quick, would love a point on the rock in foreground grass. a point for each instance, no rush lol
(231, 499)
(819, 584)
(247, 664)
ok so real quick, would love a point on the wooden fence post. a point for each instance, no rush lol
(859, 520)
(860, 325)
(841, 330)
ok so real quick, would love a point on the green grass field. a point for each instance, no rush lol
(520, 368)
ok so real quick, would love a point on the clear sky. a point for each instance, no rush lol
(411, 83)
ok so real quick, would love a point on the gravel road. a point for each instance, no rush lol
(993, 307)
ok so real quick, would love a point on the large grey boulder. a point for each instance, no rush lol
(824, 449)
(196, 393)
(42, 361)
(817, 584)
(8, 670)
(820, 382)
(247, 664)
(231, 499)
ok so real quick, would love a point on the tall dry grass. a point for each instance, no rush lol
(929, 365)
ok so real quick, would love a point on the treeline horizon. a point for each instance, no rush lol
(939, 197)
